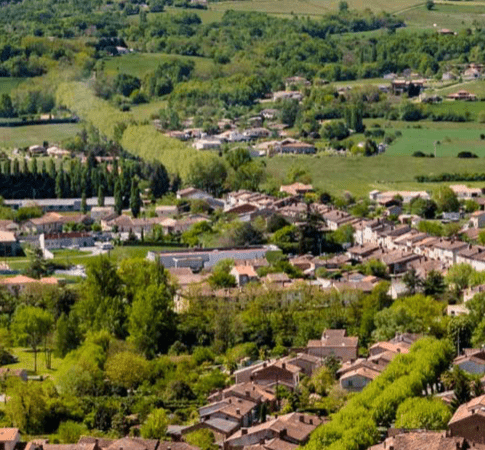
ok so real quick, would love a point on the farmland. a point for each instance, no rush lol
(359, 175)
(35, 134)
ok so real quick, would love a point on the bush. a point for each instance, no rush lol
(467, 155)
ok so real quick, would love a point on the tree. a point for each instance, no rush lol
(459, 331)
(37, 264)
(238, 157)
(460, 276)
(151, 323)
(67, 336)
(135, 199)
(446, 199)
(208, 174)
(203, 439)
(289, 111)
(70, 431)
(155, 426)
(429, 5)
(334, 130)
(27, 407)
(118, 198)
(84, 206)
(434, 284)
(127, 369)
(423, 207)
(422, 413)
(6, 106)
(100, 196)
(30, 326)
(412, 281)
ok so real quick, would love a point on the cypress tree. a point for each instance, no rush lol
(16, 167)
(100, 196)
(84, 205)
(135, 200)
(118, 198)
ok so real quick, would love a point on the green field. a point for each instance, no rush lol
(309, 7)
(139, 64)
(26, 361)
(7, 84)
(476, 87)
(359, 175)
(36, 134)
(445, 15)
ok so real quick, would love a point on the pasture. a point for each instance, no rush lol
(139, 64)
(359, 175)
(36, 134)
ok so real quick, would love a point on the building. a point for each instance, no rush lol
(199, 259)
(477, 219)
(469, 421)
(336, 343)
(9, 245)
(462, 95)
(297, 189)
(66, 240)
(298, 148)
(292, 429)
(244, 274)
(9, 438)
(472, 360)
(17, 284)
(357, 379)
(421, 439)
(465, 192)
(58, 204)
(233, 409)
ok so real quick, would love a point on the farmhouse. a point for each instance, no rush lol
(462, 95)
(334, 342)
(300, 148)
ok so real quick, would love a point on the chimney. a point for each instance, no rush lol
(311, 421)
(261, 441)
(282, 433)
(302, 419)
(238, 411)
(283, 365)
(247, 393)
(244, 431)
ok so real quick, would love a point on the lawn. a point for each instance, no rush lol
(310, 7)
(7, 84)
(26, 361)
(458, 107)
(139, 64)
(476, 87)
(359, 175)
(35, 134)
(451, 15)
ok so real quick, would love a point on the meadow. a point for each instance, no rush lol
(359, 175)
(139, 64)
(11, 137)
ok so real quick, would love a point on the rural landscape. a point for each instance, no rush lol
(242, 225)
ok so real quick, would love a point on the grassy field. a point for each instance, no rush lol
(445, 15)
(310, 7)
(471, 108)
(359, 175)
(26, 361)
(476, 87)
(7, 84)
(139, 64)
(36, 134)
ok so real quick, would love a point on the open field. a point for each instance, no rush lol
(458, 107)
(139, 64)
(359, 175)
(450, 15)
(7, 84)
(476, 87)
(26, 361)
(36, 134)
(310, 7)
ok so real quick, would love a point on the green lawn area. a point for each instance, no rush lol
(472, 108)
(138, 251)
(445, 15)
(475, 87)
(139, 64)
(144, 111)
(310, 7)
(359, 175)
(26, 361)
(36, 134)
(7, 84)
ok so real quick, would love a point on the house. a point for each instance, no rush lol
(277, 279)
(457, 310)
(446, 32)
(294, 428)
(18, 283)
(257, 133)
(234, 409)
(9, 245)
(477, 219)
(207, 144)
(244, 274)
(297, 189)
(307, 363)
(469, 421)
(334, 342)
(465, 192)
(462, 95)
(66, 240)
(277, 373)
(471, 74)
(297, 148)
(448, 76)
(269, 113)
(447, 250)
(421, 439)
(287, 95)
(56, 152)
(49, 223)
(250, 390)
(100, 212)
(469, 293)
(198, 259)
(126, 443)
(9, 438)
(358, 379)
(472, 360)
(58, 204)
(35, 150)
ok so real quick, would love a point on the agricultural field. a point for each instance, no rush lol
(35, 134)
(309, 7)
(7, 84)
(444, 15)
(360, 175)
(476, 87)
(139, 64)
